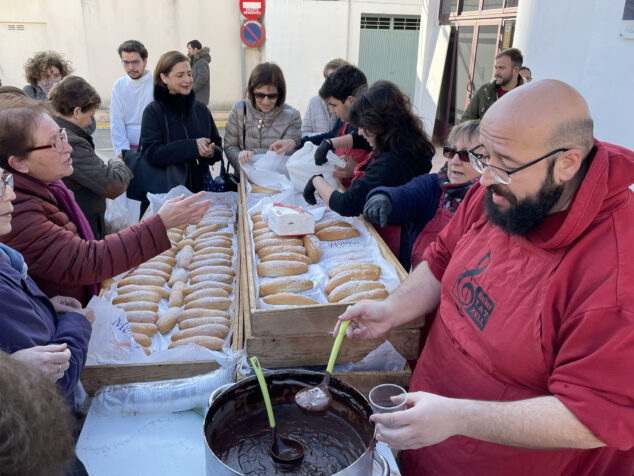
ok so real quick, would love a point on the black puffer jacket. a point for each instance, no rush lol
(169, 129)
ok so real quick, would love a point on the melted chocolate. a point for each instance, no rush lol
(313, 399)
(331, 443)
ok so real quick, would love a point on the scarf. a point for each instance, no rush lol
(69, 206)
(14, 258)
(47, 85)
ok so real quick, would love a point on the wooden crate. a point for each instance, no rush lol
(96, 376)
(301, 336)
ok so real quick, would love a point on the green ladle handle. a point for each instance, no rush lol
(255, 363)
(335, 348)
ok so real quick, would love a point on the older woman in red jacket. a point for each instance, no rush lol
(49, 229)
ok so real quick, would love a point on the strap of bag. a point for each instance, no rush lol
(244, 125)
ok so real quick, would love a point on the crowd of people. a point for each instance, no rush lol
(517, 247)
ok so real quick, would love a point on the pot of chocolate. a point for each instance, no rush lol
(237, 410)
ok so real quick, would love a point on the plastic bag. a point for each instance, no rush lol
(121, 213)
(268, 171)
(301, 167)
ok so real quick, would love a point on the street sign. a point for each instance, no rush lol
(252, 33)
(252, 9)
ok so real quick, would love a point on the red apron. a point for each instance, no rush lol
(360, 156)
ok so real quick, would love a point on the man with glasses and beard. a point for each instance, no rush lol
(506, 77)
(529, 361)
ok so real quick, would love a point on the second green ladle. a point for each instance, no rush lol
(284, 450)
(317, 399)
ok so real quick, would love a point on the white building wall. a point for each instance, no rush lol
(577, 41)
(303, 35)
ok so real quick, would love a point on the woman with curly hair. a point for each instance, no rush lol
(43, 71)
(400, 152)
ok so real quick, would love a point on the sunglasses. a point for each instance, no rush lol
(450, 152)
(272, 96)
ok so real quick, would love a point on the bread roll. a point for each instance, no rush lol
(106, 283)
(178, 276)
(215, 330)
(274, 269)
(213, 242)
(281, 249)
(184, 257)
(286, 257)
(352, 275)
(352, 287)
(311, 243)
(173, 236)
(212, 270)
(131, 288)
(208, 342)
(205, 285)
(171, 252)
(176, 294)
(334, 233)
(212, 250)
(143, 328)
(257, 216)
(199, 321)
(215, 234)
(220, 222)
(209, 303)
(219, 278)
(202, 230)
(137, 296)
(278, 242)
(215, 259)
(353, 266)
(141, 280)
(166, 268)
(280, 285)
(183, 243)
(142, 339)
(264, 236)
(168, 320)
(328, 223)
(189, 229)
(138, 306)
(288, 299)
(150, 272)
(163, 259)
(142, 316)
(376, 294)
(259, 225)
(261, 231)
(209, 292)
(198, 313)
(220, 212)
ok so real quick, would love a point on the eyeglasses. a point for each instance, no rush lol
(131, 63)
(7, 181)
(450, 152)
(272, 96)
(57, 144)
(481, 162)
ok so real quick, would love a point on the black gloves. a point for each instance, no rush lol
(378, 208)
(309, 191)
(322, 151)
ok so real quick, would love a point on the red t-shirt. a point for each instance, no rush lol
(501, 92)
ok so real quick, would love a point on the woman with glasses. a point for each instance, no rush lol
(262, 118)
(49, 229)
(92, 180)
(425, 204)
(179, 139)
(400, 152)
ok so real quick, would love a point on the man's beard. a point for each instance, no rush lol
(523, 215)
(504, 81)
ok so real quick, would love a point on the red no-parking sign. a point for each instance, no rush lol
(252, 9)
(252, 33)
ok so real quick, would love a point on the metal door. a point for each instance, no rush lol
(388, 49)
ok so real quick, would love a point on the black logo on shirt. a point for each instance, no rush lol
(473, 301)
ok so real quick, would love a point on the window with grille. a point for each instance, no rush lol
(375, 23)
(406, 23)
(15, 27)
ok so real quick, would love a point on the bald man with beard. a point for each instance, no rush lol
(529, 364)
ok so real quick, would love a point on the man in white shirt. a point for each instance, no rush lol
(130, 95)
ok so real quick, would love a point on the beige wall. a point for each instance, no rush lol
(88, 32)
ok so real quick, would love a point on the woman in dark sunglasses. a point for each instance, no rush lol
(262, 118)
(425, 204)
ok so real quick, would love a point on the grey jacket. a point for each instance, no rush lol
(317, 118)
(200, 72)
(92, 180)
(483, 99)
(262, 129)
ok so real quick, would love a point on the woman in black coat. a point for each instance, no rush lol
(179, 138)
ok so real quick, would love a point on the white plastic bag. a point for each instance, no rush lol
(268, 171)
(301, 167)
(121, 213)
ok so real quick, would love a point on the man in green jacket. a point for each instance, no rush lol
(506, 77)
(200, 59)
